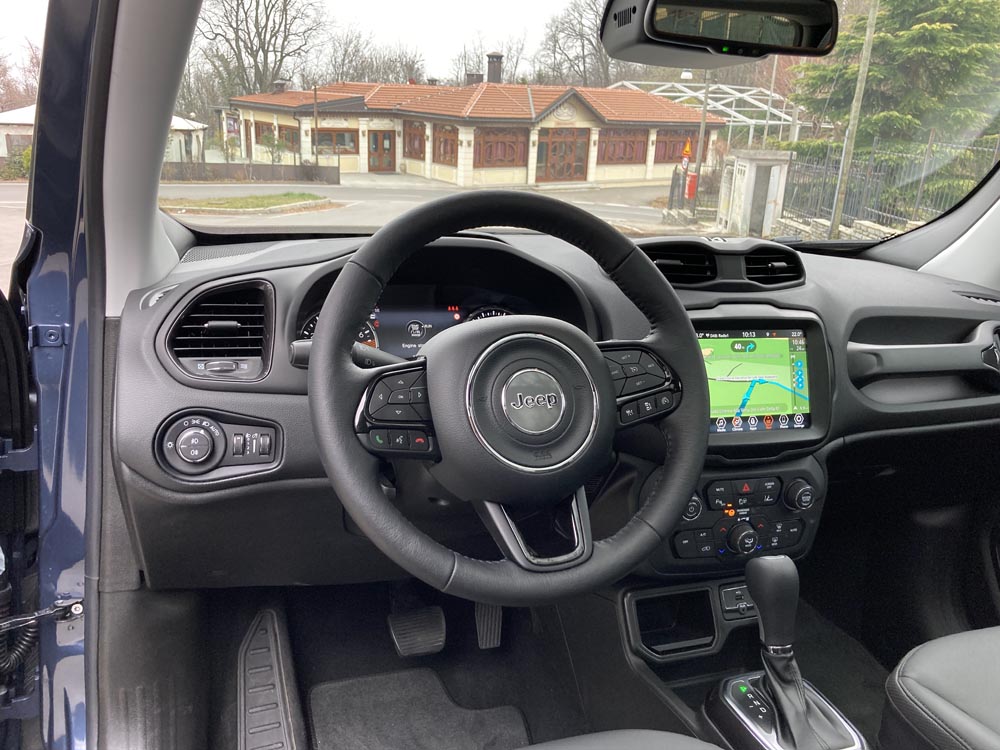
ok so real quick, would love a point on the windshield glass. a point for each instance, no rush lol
(319, 114)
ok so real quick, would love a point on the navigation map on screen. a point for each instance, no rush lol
(758, 380)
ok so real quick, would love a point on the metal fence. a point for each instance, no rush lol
(889, 184)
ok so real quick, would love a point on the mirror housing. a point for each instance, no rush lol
(708, 34)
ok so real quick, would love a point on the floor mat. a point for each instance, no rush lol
(842, 669)
(407, 710)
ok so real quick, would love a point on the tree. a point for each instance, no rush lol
(253, 43)
(352, 55)
(19, 81)
(934, 66)
(472, 59)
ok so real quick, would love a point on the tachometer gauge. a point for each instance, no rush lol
(366, 333)
(309, 327)
(491, 311)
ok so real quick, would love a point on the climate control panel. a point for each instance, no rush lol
(735, 515)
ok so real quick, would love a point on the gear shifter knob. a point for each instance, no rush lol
(773, 583)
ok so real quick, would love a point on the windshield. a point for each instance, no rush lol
(316, 114)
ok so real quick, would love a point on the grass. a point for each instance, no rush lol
(240, 201)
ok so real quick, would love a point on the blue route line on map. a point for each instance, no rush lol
(761, 381)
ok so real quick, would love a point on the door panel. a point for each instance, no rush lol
(562, 154)
(381, 151)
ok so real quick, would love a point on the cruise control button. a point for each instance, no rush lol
(394, 413)
(651, 367)
(632, 370)
(639, 383)
(401, 380)
(616, 370)
(379, 398)
(623, 356)
(664, 401)
(379, 439)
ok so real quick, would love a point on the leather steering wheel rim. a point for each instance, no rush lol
(336, 386)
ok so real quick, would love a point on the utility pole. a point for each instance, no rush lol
(701, 149)
(770, 100)
(315, 135)
(852, 124)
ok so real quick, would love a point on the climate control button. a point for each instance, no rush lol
(743, 539)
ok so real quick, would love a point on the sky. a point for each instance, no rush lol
(437, 27)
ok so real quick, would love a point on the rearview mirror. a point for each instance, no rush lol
(716, 33)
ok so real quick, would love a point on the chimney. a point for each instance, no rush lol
(494, 67)
(280, 86)
(471, 79)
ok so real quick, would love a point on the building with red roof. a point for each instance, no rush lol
(485, 133)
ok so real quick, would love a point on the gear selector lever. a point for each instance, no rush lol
(782, 711)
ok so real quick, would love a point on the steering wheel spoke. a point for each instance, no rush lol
(552, 538)
(394, 417)
(646, 387)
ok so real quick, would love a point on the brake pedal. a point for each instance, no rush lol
(489, 625)
(418, 632)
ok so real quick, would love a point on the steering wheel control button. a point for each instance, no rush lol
(401, 380)
(617, 373)
(651, 367)
(394, 413)
(664, 401)
(194, 445)
(630, 413)
(419, 441)
(623, 356)
(533, 401)
(379, 439)
(638, 384)
(418, 395)
(399, 397)
(399, 440)
(379, 398)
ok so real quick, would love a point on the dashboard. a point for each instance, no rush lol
(804, 354)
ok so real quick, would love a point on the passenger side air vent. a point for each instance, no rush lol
(773, 266)
(225, 333)
(684, 266)
(981, 298)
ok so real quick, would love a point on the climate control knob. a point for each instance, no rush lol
(743, 539)
(194, 445)
(800, 495)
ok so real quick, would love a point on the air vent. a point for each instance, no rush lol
(624, 16)
(225, 333)
(773, 266)
(984, 299)
(684, 266)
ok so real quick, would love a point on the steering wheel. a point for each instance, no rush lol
(513, 414)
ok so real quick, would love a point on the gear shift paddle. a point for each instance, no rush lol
(802, 718)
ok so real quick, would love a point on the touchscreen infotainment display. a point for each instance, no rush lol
(758, 380)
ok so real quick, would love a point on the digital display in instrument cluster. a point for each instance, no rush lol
(401, 325)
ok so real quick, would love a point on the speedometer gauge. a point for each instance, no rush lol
(366, 333)
(491, 311)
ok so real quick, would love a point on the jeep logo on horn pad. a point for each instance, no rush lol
(533, 401)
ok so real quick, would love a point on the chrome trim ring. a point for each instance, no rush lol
(482, 438)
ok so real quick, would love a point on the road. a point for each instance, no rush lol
(12, 201)
(364, 201)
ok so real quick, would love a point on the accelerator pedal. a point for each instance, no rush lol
(489, 625)
(418, 632)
